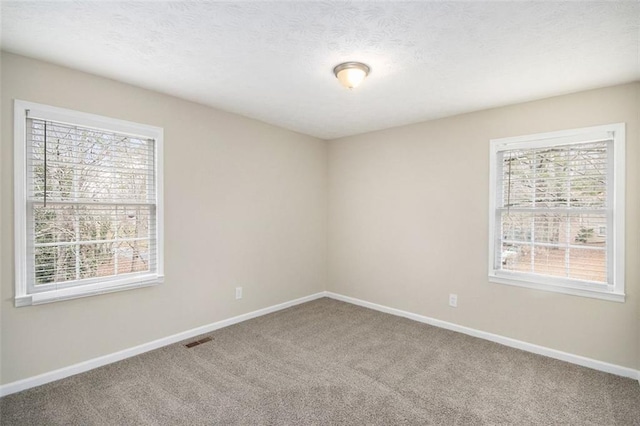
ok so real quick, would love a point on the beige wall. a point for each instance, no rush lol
(635, 238)
(408, 224)
(245, 205)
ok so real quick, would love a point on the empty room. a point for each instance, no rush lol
(319, 212)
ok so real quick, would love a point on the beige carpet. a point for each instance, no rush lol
(328, 362)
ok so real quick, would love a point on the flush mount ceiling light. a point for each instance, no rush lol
(351, 74)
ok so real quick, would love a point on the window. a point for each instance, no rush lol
(88, 204)
(557, 211)
(602, 230)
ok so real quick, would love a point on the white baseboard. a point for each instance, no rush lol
(71, 370)
(518, 344)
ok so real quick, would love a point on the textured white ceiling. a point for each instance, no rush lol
(273, 61)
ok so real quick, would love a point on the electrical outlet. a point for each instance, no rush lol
(453, 300)
(238, 293)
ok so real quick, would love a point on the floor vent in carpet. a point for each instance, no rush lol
(198, 342)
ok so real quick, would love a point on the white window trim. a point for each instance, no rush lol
(22, 295)
(614, 292)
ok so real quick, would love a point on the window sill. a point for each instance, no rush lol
(592, 293)
(86, 290)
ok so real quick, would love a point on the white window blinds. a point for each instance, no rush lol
(92, 199)
(558, 210)
(91, 206)
(553, 202)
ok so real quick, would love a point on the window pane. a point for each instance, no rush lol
(53, 224)
(589, 230)
(518, 178)
(555, 228)
(517, 226)
(96, 260)
(62, 263)
(550, 261)
(54, 264)
(555, 177)
(539, 227)
(132, 221)
(76, 242)
(557, 239)
(89, 165)
(588, 264)
(133, 256)
(583, 264)
(516, 257)
(71, 223)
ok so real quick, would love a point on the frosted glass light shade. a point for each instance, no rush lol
(351, 74)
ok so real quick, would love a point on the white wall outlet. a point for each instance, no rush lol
(238, 293)
(453, 300)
